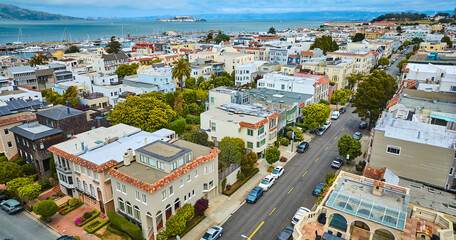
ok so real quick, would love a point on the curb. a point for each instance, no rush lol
(51, 229)
(231, 213)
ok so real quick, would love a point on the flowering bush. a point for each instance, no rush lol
(283, 159)
(78, 220)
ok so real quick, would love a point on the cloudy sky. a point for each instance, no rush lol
(138, 8)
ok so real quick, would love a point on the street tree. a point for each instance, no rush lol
(339, 97)
(231, 151)
(399, 29)
(409, 54)
(127, 70)
(272, 154)
(145, 112)
(384, 61)
(373, 95)
(17, 183)
(354, 78)
(200, 80)
(325, 43)
(406, 43)
(9, 171)
(180, 70)
(348, 146)
(221, 38)
(401, 64)
(248, 163)
(315, 115)
(358, 37)
(31, 191)
(272, 30)
(46, 209)
(113, 46)
(38, 59)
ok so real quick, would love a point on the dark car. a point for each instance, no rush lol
(66, 237)
(317, 190)
(303, 147)
(357, 135)
(3, 197)
(286, 234)
(337, 163)
(363, 125)
(342, 110)
(11, 206)
(254, 195)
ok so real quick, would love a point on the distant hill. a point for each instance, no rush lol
(11, 12)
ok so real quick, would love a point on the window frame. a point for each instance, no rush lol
(388, 147)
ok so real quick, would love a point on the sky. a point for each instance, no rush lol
(141, 8)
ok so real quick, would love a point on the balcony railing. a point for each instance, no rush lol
(261, 136)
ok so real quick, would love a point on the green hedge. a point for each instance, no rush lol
(189, 228)
(118, 232)
(96, 214)
(70, 209)
(228, 193)
(101, 224)
(123, 224)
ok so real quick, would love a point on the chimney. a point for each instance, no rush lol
(378, 188)
(145, 140)
(130, 153)
(68, 110)
(126, 159)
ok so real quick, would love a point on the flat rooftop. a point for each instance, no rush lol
(34, 131)
(163, 151)
(278, 97)
(429, 95)
(357, 198)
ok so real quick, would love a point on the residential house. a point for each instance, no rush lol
(363, 61)
(433, 47)
(232, 59)
(7, 141)
(23, 75)
(430, 77)
(108, 63)
(221, 95)
(243, 73)
(278, 56)
(335, 69)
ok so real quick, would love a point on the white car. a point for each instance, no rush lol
(277, 172)
(298, 215)
(267, 182)
(335, 115)
(327, 124)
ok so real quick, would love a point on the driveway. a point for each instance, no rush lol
(23, 227)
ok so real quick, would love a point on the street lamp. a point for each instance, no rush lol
(244, 236)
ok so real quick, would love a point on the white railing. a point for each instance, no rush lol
(261, 136)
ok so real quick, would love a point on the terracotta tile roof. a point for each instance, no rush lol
(152, 187)
(28, 118)
(393, 101)
(260, 123)
(301, 105)
(28, 88)
(374, 173)
(345, 53)
(80, 161)
(294, 56)
(307, 53)
(272, 37)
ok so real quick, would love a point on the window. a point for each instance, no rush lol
(6, 131)
(78, 182)
(86, 188)
(92, 190)
(152, 162)
(70, 180)
(181, 162)
(213, 126)
(89, 173)
(173, 166)
(261, 130)
(393, 150)
(212, 99)
(138, 196)
(453, 88)
(83, 170)
(95, 176)
(211, 184)
(76, 168)
(129, 209)
(137, 213)
(189, 178)
(142, 158)
(121, 204)
(160, 165)
(124, 189)
(118, 186)
(205, 170)
(250, 132)
(144, 198)
(171, 190)
(212, 167)
(10, 144)
(196, 173)
(181, 182)
(164, 195)
(193, 192)
(205, 186)
(249, 144)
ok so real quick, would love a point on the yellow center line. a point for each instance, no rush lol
(256, 230)
(290, 191)
(317, 159)
(343, 129)
(335, 137)
(304, 174)
(272, 211)
(326, 148)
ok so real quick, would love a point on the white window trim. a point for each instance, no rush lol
(391, 146)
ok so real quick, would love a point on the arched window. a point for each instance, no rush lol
(121, 204)
(92, 190)
(129, 209)
(86, 188)
(137, 212)
(78, 182)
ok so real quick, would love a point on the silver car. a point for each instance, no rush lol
(298, 215)
(213, 233)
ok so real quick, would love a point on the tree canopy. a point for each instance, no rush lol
(354, 78)
(17, 183)
(180, 70)
(325, 43)
(178, 126)
(231, 150)
(113, 46)
(272, 30)
(272, 154)
(38, 59)
(31, 191)
(145, 112)
(403, 16)
(358, 37)
(221, 38)
(347, 145)
(315, 115)
(46, 209)
(447, 40)
(127, 70)
(401, 64)
(341, 96)
(9, 171)
(384, 61)
(55, 98)
(373, 95)
(72, 49)
(196, 136)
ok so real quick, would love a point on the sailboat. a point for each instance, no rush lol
(20, 40)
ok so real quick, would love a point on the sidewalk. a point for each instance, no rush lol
(222, 207)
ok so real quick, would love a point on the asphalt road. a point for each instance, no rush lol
(393, 70)
(21, 227)
(265, 219)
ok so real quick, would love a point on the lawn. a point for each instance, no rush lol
(104, 234)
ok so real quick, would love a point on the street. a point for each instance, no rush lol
(393, 70)
(274, 210)
(21, 227)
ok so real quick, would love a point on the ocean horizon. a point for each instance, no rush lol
(49, 31)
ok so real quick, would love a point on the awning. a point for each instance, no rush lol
(444, 116)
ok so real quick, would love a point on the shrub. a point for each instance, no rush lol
(200, 206)
(175, 225)
(123, 224)
(45, 183)
(270, 168)
(19, 161)
(87, 215)
(283, 159)
(77, 237)
(187, 212)
(240, 176)
(230, 191)
(73, 202)
(95, 225)
(284, 141)
(162, 235)
(46, 209)
(228, 187)
(28, 169)
(223, 183)
(78, 220)
(3, 159)
(329, 176)
(112, 229)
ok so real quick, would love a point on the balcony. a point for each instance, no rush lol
(261, 136)
(63, 170)
(67, 185)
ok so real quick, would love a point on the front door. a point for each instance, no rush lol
(100, 200)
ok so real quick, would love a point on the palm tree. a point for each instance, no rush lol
(181, 70)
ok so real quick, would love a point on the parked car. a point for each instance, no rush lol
(357, 135)
(254, 195)
(320, 131)
(66, 237)
(267, 182)
(298, 215)
(337, 163)
(303, 147)
(317, 190)
(3, 197)
(11, 206)
(277, 172)
(335, 115)
(363, 125)
(327, 124)
(342, 110)
(213, 233)
(286, 234)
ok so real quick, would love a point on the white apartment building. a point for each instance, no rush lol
(161, 177)
(278, 56)
(256, 125)
(243, 73)
(221, 95)
(441, 78)
(161, 77)
(363, 60)
(108, 63)
(335, 69)
(231, 59)
(260, 53)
